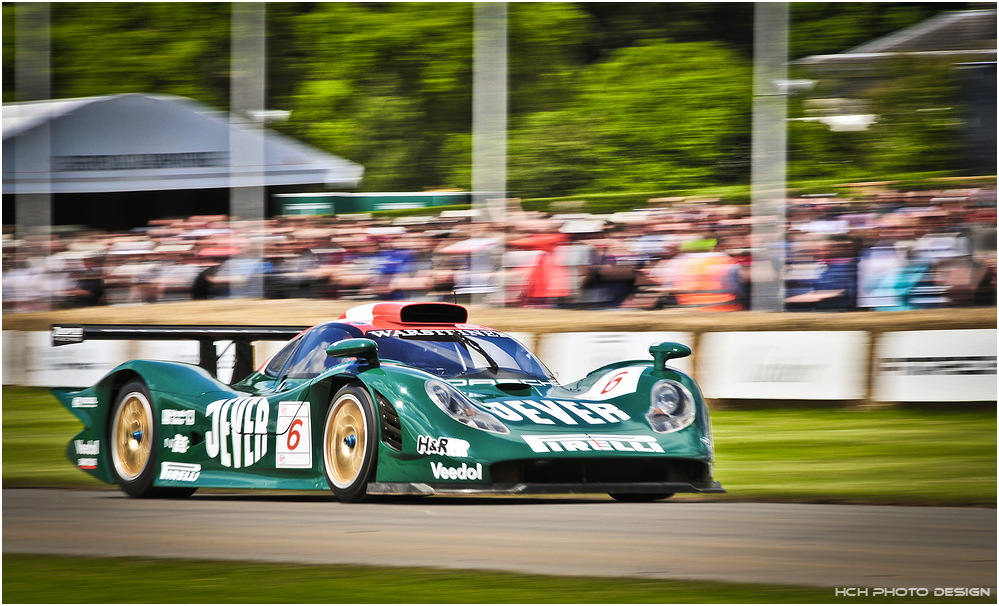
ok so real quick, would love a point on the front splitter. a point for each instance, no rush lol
(420, 488)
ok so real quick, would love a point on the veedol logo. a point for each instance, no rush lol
(177, 417)
(88, 447)
(180, 472)
(457, 473)
(449, 447)
(235, 424)
(589, 442)
(87, 463)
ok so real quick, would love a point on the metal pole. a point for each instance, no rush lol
(489, 91)
(33, 155)
(246, 135)
(769, 156)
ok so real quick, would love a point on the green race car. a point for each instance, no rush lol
(391, 398)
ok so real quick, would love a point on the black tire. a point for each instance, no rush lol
(350, 443)
(640, 498)
(132, 440)
(133, 458)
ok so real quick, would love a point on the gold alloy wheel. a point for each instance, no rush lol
(345, 440)
(133, 436)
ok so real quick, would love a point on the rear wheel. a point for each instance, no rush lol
(133, 445)
(131, 439)
(350, 443)
(640, 498)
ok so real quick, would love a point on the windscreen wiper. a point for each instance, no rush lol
(493, 366)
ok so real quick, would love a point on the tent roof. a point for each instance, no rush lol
(966, 35)
(139, 142)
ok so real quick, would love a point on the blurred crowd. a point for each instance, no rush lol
(884, 251)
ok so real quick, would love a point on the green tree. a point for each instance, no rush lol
(179, 49)
(385, 85)
(669, 115)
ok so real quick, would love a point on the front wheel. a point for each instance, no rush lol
(350, 443)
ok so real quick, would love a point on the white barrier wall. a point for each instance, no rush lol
(571, 355)
(29, 358)
(916, 366)
(936, 366)
(784, 365)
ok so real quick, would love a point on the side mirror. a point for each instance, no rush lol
(666, 350)
(366, 349)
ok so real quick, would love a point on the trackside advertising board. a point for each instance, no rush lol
(570, 355)
(912, 366)
(935, 366)
(29, 358)
(784, 365)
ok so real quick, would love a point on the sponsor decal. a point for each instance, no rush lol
(787, 371)
(87, 463)
(82, 402)
(556, 412)
(616, 383)
(62, 335)
(178, 443)
(449, 447)
(443, 332)
(294, 441)
(180, 472)
(591, 442)
(87, 447)
(940, 365)
(177, 417)
(239, 431)
(456, 473)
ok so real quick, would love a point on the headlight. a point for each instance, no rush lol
(672, 407)
(457, 406)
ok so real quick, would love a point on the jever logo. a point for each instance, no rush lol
(239, 431)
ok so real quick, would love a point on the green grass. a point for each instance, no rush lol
(871, 456)
(786, 454)
(36, 431)
(51, 579)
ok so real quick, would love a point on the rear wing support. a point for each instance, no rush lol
(241, 336)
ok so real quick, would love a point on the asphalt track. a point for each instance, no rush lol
(800, 544)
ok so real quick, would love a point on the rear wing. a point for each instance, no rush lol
(242, 336)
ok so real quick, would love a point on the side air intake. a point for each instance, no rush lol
(391, 427)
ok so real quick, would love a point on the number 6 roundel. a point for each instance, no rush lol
(294, 428)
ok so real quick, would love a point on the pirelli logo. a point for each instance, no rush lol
(940, 365)
(180, 472)
(581, 442)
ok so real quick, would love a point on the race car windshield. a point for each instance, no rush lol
(457, 353)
